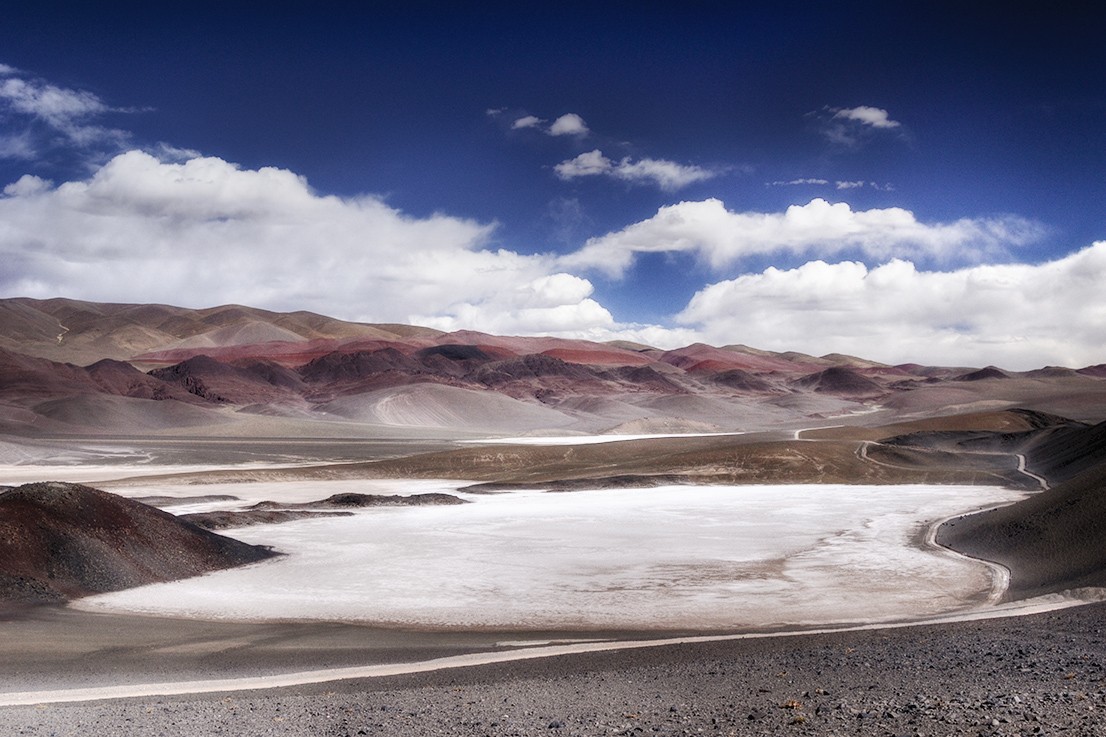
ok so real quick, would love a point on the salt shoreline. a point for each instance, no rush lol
(704, 558)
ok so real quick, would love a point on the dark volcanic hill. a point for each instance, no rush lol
(60, 541)
(1055, 540)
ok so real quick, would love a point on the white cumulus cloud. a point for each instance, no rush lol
(28, 184)
(526, 121)
(1019, 316)
(721, 237)
(70, 113)
(569, 124)
(667, 175)
(17, 146)
(874, 116)
(850, 128)
(204, 231)
(555, 304)
(591, 163)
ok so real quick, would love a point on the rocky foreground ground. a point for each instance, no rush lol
(1037, 675)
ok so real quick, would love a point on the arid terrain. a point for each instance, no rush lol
(142, 401)
(78, 368)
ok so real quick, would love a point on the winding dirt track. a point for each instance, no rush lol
(862, 454)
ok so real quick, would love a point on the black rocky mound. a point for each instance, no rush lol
(990, 372)
(1065, 451)
(224, 520)
(744, 381)
(60, 541)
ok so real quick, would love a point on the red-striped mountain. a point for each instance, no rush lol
(68, 366)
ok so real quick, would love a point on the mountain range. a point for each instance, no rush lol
(68, 366)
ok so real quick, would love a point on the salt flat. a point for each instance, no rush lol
(589, 439)
(674, 558)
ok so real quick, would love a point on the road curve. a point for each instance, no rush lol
(1022, 469)
(1000, 574)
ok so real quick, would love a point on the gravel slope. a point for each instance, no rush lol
(1042, 674)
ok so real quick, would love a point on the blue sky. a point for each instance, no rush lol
(907, 182)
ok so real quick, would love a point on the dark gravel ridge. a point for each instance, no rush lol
(1036, 675)
(226, 520)
(1054, 540)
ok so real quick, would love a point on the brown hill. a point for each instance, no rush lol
(701, 357)
(84, 332)
(839, 380)
(214, 381)
(60, 541)
(743, 381)
(122, 379)
(989, 372)
(600, 355)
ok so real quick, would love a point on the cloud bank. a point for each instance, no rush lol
(1020, 316)
(721, 237)
(203, 231)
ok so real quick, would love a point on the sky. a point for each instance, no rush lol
(908, 182)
